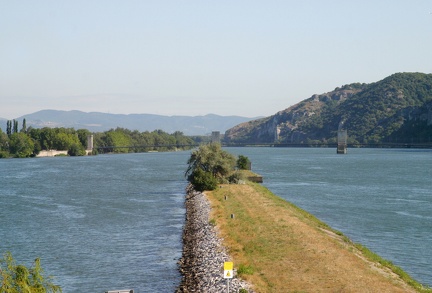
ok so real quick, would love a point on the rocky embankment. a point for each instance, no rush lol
(203, 253)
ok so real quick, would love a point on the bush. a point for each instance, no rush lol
(18, 278)
(76, 149)
(243, 163)
(211, 158)
(202, 180)
(236, 177)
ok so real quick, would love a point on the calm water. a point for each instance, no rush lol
(381, 198)
(115, 221)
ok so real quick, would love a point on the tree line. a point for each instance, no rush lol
(29, 142)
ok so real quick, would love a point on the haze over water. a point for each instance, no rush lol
(115, 221)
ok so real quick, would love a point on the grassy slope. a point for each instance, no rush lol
(281, 248)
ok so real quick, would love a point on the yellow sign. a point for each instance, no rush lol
(228, 270)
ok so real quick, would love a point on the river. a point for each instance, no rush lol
(115, 221)
(381, 198)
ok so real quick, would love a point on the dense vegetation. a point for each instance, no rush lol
(397, 109)
(16, 278)
(28, 142)
(209, 166)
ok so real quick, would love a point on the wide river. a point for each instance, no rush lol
(115, 221)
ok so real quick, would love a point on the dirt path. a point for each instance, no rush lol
(288, 250)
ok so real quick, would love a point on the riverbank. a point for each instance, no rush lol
(203, 254)
(281, 248)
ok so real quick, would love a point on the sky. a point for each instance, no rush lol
(194, 57)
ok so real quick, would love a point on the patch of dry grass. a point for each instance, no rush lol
(280, 248)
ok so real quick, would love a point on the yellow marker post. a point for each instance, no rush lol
(228, 272)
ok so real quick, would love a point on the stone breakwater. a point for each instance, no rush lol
(203, 255)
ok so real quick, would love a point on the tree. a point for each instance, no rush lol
(63, 141)
(9, 127)
(211, 159)
(21, 145)
(119, 140)
(243, 163)
(76, 149)
(4, 145)
(203, 180)
(47, 136)
(82, 136)
(15, 126)
(24, 126)
(18, 278)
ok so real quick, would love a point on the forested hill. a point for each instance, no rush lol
(395, 109)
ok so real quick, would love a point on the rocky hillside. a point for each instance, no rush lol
(395, 109)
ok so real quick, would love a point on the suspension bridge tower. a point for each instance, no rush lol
(342, 139)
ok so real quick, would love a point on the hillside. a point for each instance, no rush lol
(395, 109)
(99, 122)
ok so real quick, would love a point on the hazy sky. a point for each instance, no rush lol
(195, 57)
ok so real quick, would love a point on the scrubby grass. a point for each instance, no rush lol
(279, 247)
(395, 269)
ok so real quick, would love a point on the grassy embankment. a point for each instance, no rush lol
(278, 247)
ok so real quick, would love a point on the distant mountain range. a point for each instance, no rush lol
(99, 122)
(394, 110)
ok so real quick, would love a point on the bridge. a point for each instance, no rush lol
(425, 145)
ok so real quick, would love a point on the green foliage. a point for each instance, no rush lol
(236, 177)
(158, 140)
(76, 149)
(202, 180)
(21, 145)
(211, 158)
(209, 165)
(15, 126)
(63, 141)
(82, 136)
(245, 270)
(18, 278)
(9, 127)
(4, 142)
(117, 140)
(243, 163)
(24, 126)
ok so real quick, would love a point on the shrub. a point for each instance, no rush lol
(236, 177)
(202, 180)
(76, 149)
(19, 278)
(209, 165)
(243, 163)
(211, 158)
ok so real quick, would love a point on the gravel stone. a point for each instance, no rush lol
(203, 254)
